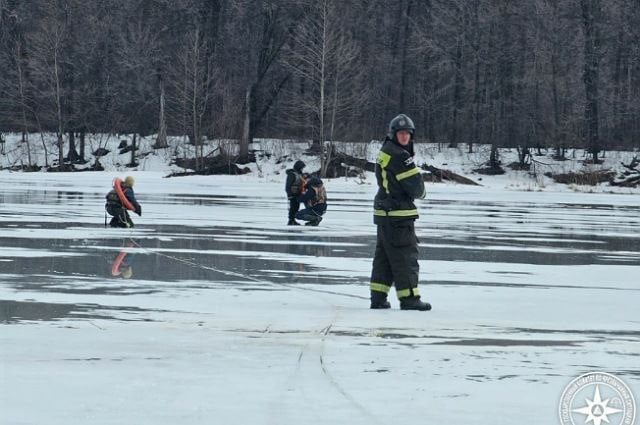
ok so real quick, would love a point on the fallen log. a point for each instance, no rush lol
(627, 181)
(633, 165)
(209, 165)
(438, 175)
(346, 165)
(584, 178)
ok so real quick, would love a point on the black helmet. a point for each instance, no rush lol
(401, 122)
(299, 165)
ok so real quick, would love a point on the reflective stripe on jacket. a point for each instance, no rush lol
(399, 183)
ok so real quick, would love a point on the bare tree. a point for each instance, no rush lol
(590, 16)
(192, 78)
(543, 73)
(46, 62)
(16, 85)
(277, 20)
(323, 55)
(161, 139)
(138, 56)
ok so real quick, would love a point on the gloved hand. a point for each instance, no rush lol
(139, 210)
(387, 204)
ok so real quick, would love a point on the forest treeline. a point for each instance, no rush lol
(534, 73)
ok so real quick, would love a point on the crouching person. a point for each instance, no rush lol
(119, 200)
(315, 201)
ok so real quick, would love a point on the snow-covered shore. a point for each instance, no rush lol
(274, 156)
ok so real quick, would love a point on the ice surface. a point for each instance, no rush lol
(231, 317)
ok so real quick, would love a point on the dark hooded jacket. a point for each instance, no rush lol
(399, 183)
(293, 185)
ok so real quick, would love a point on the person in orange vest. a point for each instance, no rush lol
(115, 205)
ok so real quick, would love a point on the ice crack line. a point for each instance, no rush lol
(325, 371)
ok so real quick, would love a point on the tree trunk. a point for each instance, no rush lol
(82, 146)
(161, 140)
(133, 162)
(494, 157)
(326, 152)
(194, 107)
(476, 81)
(392, 66)
(23, 102)
(334, 108)
(591, 8)
(25, 139)
(58, 94)
(427, 82)
(476, 107)
(618, 104)
(402, 104)
(60, 144)
(247, 136)
(72, 154)
(556, 107)
(457, 88)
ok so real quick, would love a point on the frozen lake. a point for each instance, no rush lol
(231, 317)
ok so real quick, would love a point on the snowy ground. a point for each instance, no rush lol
(275, 155)
(231, 317)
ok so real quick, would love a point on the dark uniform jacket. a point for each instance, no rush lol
(399, 183)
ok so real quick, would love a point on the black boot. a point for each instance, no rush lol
(314, 222)
(379, 300)
(414, 303)
(292, 222)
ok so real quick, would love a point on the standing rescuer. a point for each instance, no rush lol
(293, 187)
(396, 256)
